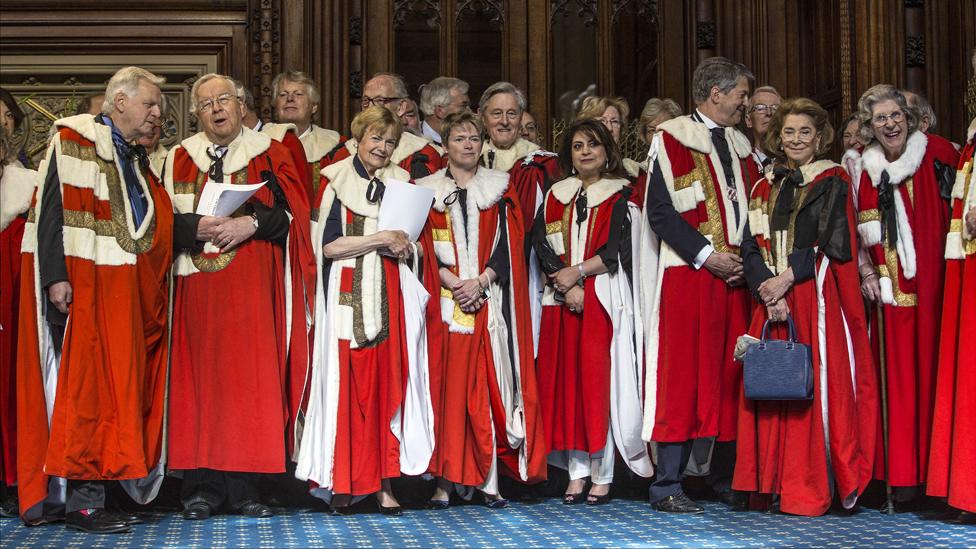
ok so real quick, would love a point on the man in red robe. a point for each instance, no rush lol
(296, 101)
(98, 246)
(952, 461)
(16, 191)
(239, 347)
(415, 154)
(695, 304)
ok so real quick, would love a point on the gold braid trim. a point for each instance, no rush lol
(358, 325)
(713, 225)
(211, 263)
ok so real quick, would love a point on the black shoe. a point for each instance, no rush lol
(496, 503)
(95, 521)
(965, 517)
(598, 500)
(197, 511)
(254, 509)
(394, 511)
(735, 499)
(128, 518)
(438, 504)
(573, 499)
(678, 503)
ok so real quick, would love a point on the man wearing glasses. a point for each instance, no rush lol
(239, 345)
(413, 153)
(296, 101)
(765, 103)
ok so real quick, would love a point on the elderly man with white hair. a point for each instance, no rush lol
(415, 154)
(239, 303)
(98, 245)
(440, 98)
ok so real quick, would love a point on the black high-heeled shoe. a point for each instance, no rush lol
(394, 511)
(598, 500)
(438, 504)
(573, 499)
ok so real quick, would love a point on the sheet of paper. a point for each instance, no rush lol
(223, 199)
(405, 208)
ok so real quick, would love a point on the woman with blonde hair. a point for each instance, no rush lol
(369, 416)
(800, 263)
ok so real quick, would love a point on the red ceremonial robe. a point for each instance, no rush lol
(240, 339)
(287, 135)
(692, 318)
(414, 154)
(911, 278)
(368, 415)
(532, 171)
(107, 414)
(16, 191)
(484, 391)
(803, 450)
(637, 174)
(952, 462)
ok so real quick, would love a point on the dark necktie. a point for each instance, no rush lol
(789, 182)
(722, 148)
(216, 171)
(375, 190)
(491, 160)
(886, 207)
(128, 155)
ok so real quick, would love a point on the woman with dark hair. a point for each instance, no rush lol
(903, 218)
(800, 261)
(590, 364)
(11, 116)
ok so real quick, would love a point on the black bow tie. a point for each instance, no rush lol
(453, 196)
(789, 182)
(581, 211)
(375, 190)
(216, 172)
(886, 207)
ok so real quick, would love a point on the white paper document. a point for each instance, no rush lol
(405, 208)
(223, 199)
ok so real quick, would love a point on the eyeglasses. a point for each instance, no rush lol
(610, 122)
(880, 120)
(805, 135)
(764, 109)
(378, 101)
(223, 100)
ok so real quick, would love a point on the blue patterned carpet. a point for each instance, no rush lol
(622, 523)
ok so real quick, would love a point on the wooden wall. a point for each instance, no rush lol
(830, 50)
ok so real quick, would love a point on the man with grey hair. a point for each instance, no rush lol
(764, 104)
(927, 120)
(439, 98)
(101, 248)
(253, 339)
(296, 101)
(696, 206)
(532, 169)
(413, 153)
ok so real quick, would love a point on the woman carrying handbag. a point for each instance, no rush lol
(799, 264)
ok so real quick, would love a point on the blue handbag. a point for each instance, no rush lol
(778, 370)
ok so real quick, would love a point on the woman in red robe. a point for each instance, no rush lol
(16, 190)
(903, 218)
(952, 465)
(590, 365)
(800, 260)
(368, 416)
(486, 407)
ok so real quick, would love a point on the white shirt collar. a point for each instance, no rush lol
(257, 127)
(430, 133)
(709, 123)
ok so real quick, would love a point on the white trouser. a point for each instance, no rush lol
(599, 466)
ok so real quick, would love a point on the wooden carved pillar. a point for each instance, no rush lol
(915, 46)
(878, 43)
(705, 29)
(265, 30)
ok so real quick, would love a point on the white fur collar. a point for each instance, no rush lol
(596, 194)
(485, 189)
(697, 136)
(632, 166)
(239, 153)
(505, 159)
(907, 164)
(813, 170)
(319, 142)
(350, 188)
(278, 131)
(16, 191)
(100, 134)
(408, 145)
(971, 132)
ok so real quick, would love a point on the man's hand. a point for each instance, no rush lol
(574, 299)
(467, 293)
(232, 232)
(207, 228)
(726, 266)
(60, 295)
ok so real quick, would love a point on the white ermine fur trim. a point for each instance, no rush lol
(954, 248)
(529, 158)
(687, 199)
(870, 233)
(278, 131)
(319, 142)
(813, 170)
(906, 242)
(971, 132)
(16, 190)
(596, 193)
(505, 159)
(351, 189)
(485, 188)
(887, 292)
(689, 133)
(632, 167)
(100, 134)
(874, 160)
(241, 150)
